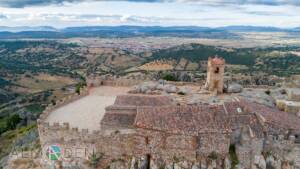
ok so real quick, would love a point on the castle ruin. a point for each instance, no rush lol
(142, 131)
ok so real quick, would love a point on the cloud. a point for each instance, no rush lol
(2, 16)
(211, 13)
(25, 3)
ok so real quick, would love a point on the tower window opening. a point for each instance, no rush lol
(217, 70)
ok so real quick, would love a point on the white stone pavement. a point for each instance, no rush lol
(87, 112)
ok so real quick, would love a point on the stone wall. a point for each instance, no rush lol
(111, 81)
(288, 106)
(134, 148)
(118, 117)
(294, 94)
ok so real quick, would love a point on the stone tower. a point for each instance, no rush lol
(215, 74)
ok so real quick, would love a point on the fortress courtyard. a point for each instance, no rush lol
(87, 112)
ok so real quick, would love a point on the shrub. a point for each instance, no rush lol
(77, 90)
(233, 156)
(213, 155)
(13, 121)
(169, 77)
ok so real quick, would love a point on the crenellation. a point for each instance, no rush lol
(66, 126)
(85, 130)
(139, 128)
(75, 129)
(56, 124)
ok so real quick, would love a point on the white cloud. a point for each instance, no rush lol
(182, 12)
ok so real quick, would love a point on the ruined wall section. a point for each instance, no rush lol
(113, 144)
(168, 147)
(112, 81)
(43, 126)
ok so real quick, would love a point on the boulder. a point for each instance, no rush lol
(196, 166)
(271, 163)
(134, 164)
(260, 162)
(169, 166)
(258, 96)
(227, 163)
(234, 88)
(239, 166)
(153, 165)
(170, 88)
(184, 90)
(203, 164)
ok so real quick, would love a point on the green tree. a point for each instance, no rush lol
(77, 90)
(13, 121)
(169, 77)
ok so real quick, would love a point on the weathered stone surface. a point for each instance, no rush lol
(169, 166)
(196, 166)
(184, 90)
(258, 96)
(227, 163)
(286, 165)
(239, 166)
(153, 165)
(271, 163)
(148, 87)
(117, 165)
(170, 88)
(234, 88)
(260, 162)
(203, 164)
(134, 164)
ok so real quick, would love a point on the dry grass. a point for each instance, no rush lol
(43, 82)
(157, 66)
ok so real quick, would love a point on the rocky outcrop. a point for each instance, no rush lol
(117, 165)
(272, 163)
(154, 88)
(234, 88)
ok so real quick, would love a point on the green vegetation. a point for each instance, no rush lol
(197, 52)
(7, 139)
(213, 155)
(3, 82)
(94, 159)
(35, 108)
(233, 156)
(281, 63)
(169, 77)
(12, 122)
(268, 92)
(9, 123)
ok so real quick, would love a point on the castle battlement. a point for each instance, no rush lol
(45, 127)
(65, 130)
(113, 81)
(62, 102)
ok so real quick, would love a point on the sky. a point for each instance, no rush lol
(207, 13)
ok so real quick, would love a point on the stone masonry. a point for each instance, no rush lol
(141, 131)
(215, 74)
